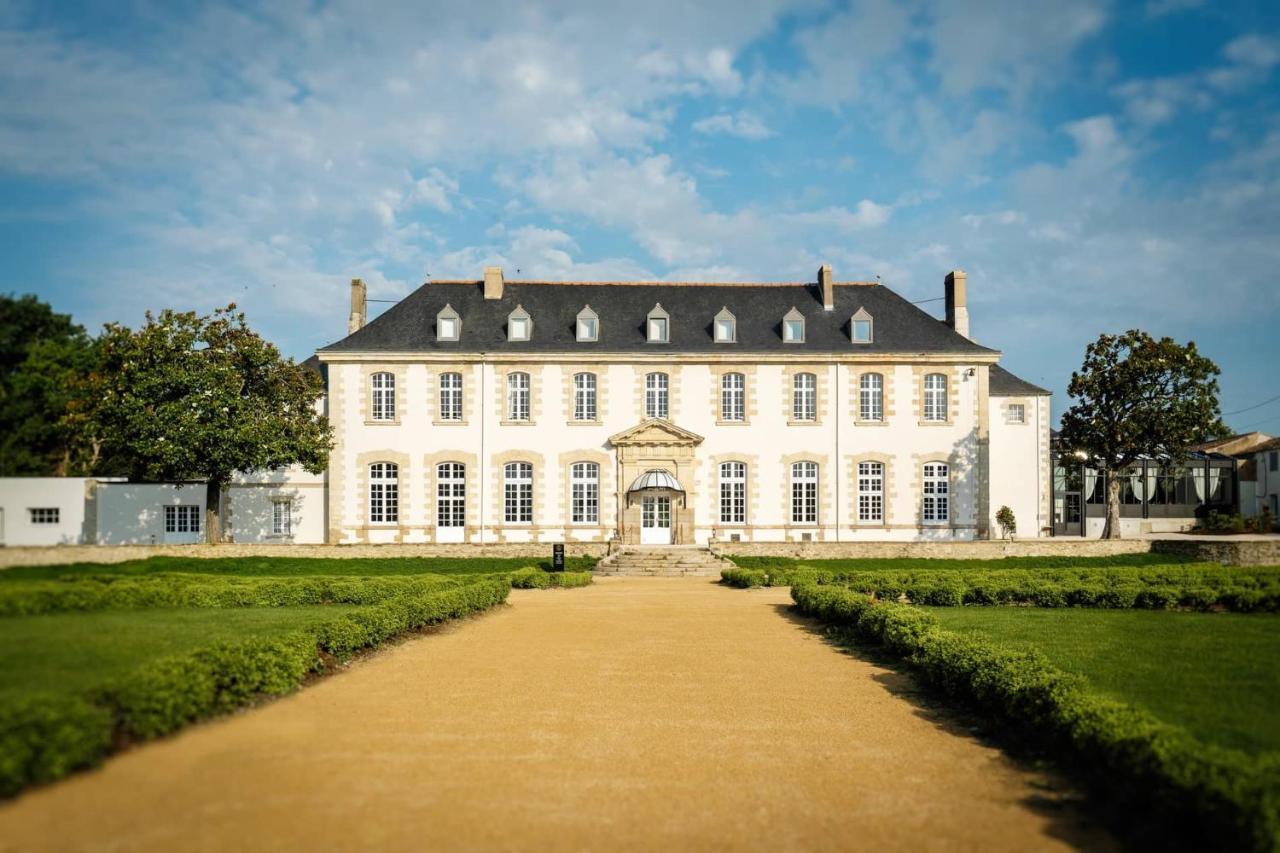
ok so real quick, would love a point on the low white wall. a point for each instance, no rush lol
(249, 507)
(133, 513)
(20, 495)
(1137, 526)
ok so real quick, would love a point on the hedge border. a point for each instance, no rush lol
(1196, 793)
(43, 738)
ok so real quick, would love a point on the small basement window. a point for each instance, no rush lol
(588, 325)
(519, 325)
(658, 325)
(45, 514)
(725, 327)
(793, 327)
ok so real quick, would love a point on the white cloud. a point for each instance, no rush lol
(866, 214)
(742, 124)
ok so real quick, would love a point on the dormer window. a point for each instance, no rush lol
(860, 327)
(725, 327)
(519, 325)
(588, 326)
(793, 327)
(448, 324)
(658, 325)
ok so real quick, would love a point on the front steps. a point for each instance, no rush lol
(662, 561)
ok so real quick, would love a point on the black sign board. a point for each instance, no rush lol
(557, 557)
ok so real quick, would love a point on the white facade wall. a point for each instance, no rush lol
(768, 442)
(250, 514)
(1020, 473)
(68, 495)
(133, 513)
(1267, 495)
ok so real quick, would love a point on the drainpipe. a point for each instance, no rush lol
(839, 464)
(484, 414)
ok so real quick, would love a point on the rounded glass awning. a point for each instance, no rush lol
(656, 478)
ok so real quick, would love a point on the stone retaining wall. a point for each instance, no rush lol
(1263, 552)
(982, 550)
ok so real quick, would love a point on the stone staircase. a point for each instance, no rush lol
(662, 561)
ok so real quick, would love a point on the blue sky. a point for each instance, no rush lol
(1093, 166)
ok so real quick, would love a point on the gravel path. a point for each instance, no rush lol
(636, 713)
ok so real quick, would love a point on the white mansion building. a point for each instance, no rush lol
(492, 411)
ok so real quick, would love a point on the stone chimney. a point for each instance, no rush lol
(358, 293)
(957, 306)
(493, 282)
(827, 285)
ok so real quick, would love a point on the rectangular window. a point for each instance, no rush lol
(282, 518)
(871, 397)
(793, 331)
(1017, 413)
(655, 395)
(517, 396)
(733, 396)
(804, 397)
(451, 396)
(182, 518)
(936, 503)
(383, 396)
(1273, 461)
(870, 491)
(862, 331)
(45, 514)
(658, 329)
(518, 494)
(804, 493)
(451, 494)
(935, 397)
(725, 332)
(733, 493)
(584, 482)
(584, 397)
(384, 493)
(587, 330)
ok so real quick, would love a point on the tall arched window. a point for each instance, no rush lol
(450, 396)
(584, 492)
(733, 397)
(655, 396)
(804, 493)
(936, 500)
(584, 396)
(518, 492)
(871, 397)
(733, 493)
(517, 396)
(382, 397)
(935, 397)
(451, 494)
(870, 491)
(384, 493)
(804, 397)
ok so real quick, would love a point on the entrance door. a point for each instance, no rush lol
(451, 502)
(655, 521)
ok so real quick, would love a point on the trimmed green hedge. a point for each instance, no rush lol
(121, 592)
(535, 578)
(1196, 793)
(45, 738)
(1198, 586)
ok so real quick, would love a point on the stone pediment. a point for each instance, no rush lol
(655, 431)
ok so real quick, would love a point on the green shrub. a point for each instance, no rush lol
(535, 578)
(1200, 794)
(744, 578)
(43, 738)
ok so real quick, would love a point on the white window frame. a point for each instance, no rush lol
(451, 494)
(382, 396)
(870, 491)
(518, 396)
(804, 492)
(584, 397)
(451, 396)
(281, 517)
(935, 397)
(871, 397)
(182, 518)
(451, 332)
(724, 327)
(804, 397)
(935, 497)
(733, 492)
(1017, 413)
(658, 325)
(384, 493)
(519, 325)
(587, 326)
(517, 490)
(43, 515)
(733, 397)
(657, 395)
(584, 493)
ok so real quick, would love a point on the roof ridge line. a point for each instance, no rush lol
(657, 283)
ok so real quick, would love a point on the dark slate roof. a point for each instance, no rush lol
(899, 326)
(1004, 384)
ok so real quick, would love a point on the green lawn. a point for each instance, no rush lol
(72, 652)
(1216, 674)
(919, 563)
(296, 566)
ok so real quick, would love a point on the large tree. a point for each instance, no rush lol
(1136, 396)
(200, 397)
(41, 354)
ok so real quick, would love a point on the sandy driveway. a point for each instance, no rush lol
(636, 713)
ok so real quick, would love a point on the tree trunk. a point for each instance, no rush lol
(1112, 528)
(213, 512)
